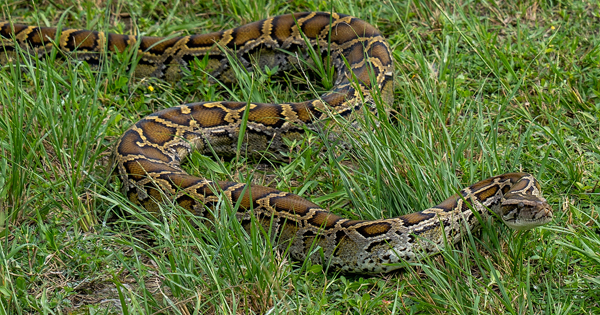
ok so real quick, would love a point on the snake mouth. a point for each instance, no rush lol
(528, 218)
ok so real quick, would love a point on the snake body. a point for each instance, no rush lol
(149, 153)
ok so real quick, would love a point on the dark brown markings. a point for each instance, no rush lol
(83, 40)
(257, 192)
(129, 143)
(138, 169)
(381, 52)
(156, 132)
(157, 45)
(355, 53)
(363, 29)
(293, 204)
(313, 27)
(208, 189)
(282, 26)
(338, 96)
(225, 185)
(248, 32)
(486, 193)
(267, 114)
(204, 40)
(448, 204)
(117, 43)
(151, 153)
(512, 177)
(344, 32)
(324, 219)
(481, 184)
(522, 184)
(374, 229)
(351, 223)
(415, 218)
(244, 201)
(6, 30)
(36, 37)
(181, 180)
(303, 110)
(363, 74)
(208, 117)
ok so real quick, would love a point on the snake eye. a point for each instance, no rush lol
(521, 205)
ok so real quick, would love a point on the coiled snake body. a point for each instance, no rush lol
(149, 153)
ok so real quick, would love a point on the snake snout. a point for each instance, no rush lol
(544, 212)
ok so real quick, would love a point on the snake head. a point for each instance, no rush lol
(524, 211)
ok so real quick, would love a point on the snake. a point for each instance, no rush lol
(148, 156)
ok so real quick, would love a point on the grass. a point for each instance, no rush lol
(482, 88)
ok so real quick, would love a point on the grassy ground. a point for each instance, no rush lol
(482, 88)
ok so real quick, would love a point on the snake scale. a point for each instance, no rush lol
(149, 153)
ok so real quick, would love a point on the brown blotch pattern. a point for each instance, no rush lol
(148, 154)
(415, 218)
(157, 132)
(374, 229)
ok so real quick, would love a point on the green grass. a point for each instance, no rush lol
(482, 88)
